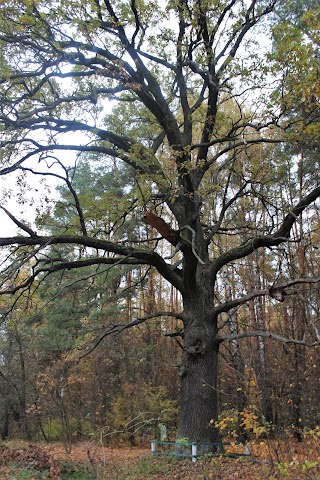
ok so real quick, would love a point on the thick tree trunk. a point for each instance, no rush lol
(199, 401)
(198, 372)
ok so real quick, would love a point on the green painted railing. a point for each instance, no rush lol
(219, 449)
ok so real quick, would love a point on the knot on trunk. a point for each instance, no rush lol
(196, 347)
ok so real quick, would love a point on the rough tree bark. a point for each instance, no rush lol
(199, 371)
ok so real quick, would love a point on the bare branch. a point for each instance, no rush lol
(251, 19)
(142, 255)
(280, 236)
(224, 209)
(21, 225)
(264, 334)
(225, 307)
(143, 161)
(118, 328)
(277, 292)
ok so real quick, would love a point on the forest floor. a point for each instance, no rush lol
(270, 459)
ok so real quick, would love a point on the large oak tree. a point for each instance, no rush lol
(187, 95)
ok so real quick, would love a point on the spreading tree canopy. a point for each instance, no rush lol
(199, 99)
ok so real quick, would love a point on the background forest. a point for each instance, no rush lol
(160, 273)
(64, 377)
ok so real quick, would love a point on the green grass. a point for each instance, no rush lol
(18, 473)
(147, 467)
(70, 471)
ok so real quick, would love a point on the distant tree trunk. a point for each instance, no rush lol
(299, 364)
(239, 366)
(299, 322)
(236, 356)
(261, 370)
(258, 322)
(6, 421)
(79, 415)
(7, 390)
(22, 389)
(151, 334)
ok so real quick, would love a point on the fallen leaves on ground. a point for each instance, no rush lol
(273, 459)
(30, 457)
